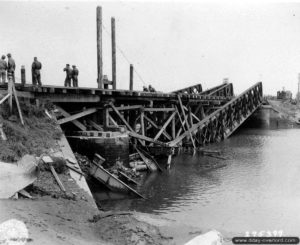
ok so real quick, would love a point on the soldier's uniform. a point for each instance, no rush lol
(151, 89)
(36, 74)
(68, 71)
(11, 66)
(75, 73)
(3, 68)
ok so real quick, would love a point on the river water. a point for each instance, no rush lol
(257, 190)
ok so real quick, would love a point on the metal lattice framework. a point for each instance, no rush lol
(224, 121)
(195, 89)
(221, 90)
(186, 124)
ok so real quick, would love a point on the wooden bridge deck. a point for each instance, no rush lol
(92, 95)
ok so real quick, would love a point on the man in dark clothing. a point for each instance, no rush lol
(3, 68)
(68, 71)
(35, 70)
(11, 66)
(75, 73)
(151, 89)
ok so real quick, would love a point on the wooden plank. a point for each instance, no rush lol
(157, 127)
(112, 120)
(5, 98)
(120, 116)
(76, 122)
(17, 102)
(159, 109)
(143, 124)
(122, 108)
(141, 137)
(95, 125)
(182, 109)
(165, 126)
(9, 90)
(127, 177)
(61, 186)
(123, 120)
(76, 116)
(192, 114)
(185, 120)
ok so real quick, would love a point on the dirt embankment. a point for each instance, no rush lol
(52, 216)
(37, 136)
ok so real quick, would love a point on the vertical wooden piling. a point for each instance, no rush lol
(23, 75)
(10, 92)
(173, 128)
(99, 47)
(131, 78)
(113, 50)
(143, 125)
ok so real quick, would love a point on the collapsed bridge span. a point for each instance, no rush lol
(188, 116)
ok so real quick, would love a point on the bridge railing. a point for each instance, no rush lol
(224, 121)
(195, 89)
(225, 90)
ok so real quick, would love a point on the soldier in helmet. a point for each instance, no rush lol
(68, 71)
(3, 68)
(11, 66)
(151, 89)
(145, 89)
(75, 73)
(36, 74)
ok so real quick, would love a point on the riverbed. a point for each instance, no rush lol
(258, 189)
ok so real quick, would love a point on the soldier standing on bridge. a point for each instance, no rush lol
(151, 89)
(35, 70)
(11, 66)
(68, 71)
(3, 68)
(75, 73)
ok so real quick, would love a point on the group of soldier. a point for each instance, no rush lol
(149, 89)
(7, 69)
(71, 74)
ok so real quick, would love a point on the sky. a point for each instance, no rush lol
(172, 44)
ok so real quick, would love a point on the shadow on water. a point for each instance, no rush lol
(257, 189)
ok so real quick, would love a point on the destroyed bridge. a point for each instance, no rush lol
(187, 117)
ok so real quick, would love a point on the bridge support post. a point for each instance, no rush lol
(23, 75)
(131, 78)
(113, 50)
(99, 47)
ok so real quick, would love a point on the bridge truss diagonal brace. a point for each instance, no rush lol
(157, 127)
(75, 122)
(5, 98)
(185, 121)
(165, 126)
(76, 116)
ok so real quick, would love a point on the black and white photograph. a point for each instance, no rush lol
(157, 122)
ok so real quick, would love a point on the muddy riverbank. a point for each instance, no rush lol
(61, 221)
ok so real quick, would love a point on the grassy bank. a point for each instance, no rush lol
(37, 136)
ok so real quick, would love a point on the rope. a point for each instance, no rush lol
(125, 57)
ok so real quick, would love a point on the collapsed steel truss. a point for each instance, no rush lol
(190, 123)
